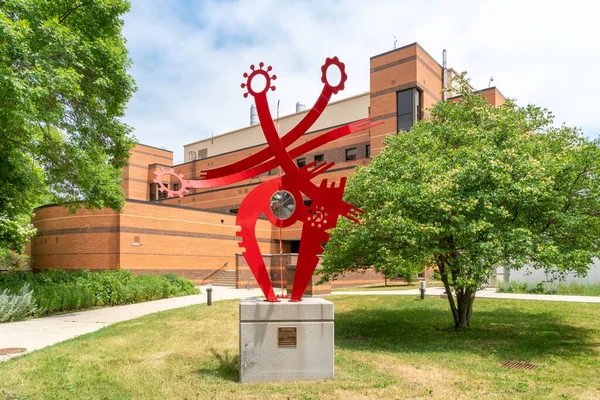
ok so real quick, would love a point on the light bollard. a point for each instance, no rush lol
(422, 289)
(209, 294)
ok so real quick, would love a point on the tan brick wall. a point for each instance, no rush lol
(145, 236)
(135, 177)
(390, 73)
(86, 239)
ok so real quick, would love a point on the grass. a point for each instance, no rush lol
(406, 352)
(573, 288)
(389, 286)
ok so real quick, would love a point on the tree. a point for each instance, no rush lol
(63, 90)
(472, 188)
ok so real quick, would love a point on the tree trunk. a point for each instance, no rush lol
(462, 309)
(464, 300)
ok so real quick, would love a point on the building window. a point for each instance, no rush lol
(155, 193)
(368, 151)
(319, 158)
(351, 154)
(301, 162)
(234, 210)
(176, 186)
(408, 108)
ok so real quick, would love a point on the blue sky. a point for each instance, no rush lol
(189, 56)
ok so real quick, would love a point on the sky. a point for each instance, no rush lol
(189, 55)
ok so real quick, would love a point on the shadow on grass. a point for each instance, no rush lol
(228, 368)
(504, 332)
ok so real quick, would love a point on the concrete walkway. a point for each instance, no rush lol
(36, 333)
(481, 294)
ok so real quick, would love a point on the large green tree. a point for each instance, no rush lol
(63, 90)
(472, 188)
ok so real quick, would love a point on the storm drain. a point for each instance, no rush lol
(12, 350)
(519, 365)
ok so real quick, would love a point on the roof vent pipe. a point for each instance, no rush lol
(300, 107)
(253, 115)
(444, 74)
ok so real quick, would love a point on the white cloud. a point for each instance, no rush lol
(189, 56)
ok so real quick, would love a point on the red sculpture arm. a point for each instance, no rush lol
(268, 197)
(273, 163)
(262, 168)
(289, 138)
(281, 155)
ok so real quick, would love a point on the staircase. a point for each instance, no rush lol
(225, 278)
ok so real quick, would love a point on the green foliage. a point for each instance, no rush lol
(15, 234)
(12, 261)
(63, 91)
(572, 289)
(16, 306)
(58, 290)
(471, 188)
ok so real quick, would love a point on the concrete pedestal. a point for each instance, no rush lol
(286, 341)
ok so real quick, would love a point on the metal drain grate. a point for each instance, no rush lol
(12, 350)
(519, 365)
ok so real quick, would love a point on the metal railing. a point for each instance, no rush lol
(248, 283)
(213, 273)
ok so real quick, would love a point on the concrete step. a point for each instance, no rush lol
(225, 278)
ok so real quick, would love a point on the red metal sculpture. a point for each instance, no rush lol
(281, 198)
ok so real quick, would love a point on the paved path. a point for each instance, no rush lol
(36, 333)
(485, 294)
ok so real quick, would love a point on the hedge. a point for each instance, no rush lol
(58, 291)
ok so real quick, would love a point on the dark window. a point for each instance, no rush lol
(153, 191)
(368, 151)
(408, 108)
(351, 154)
(234, 210)
(176, 186)
(294, 246)
(301, 162)
(156, 193)
(418, 101)
(319, 158)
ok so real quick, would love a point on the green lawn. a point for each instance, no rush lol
(386, 347)
(389, 286)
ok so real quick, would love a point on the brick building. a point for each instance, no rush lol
(195, 235)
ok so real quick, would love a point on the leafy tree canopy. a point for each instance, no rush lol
(472, 188)
(63, 90)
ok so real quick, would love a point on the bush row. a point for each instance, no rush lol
(573, 288)
(57, 291)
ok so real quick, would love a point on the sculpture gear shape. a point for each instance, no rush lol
(281, 199)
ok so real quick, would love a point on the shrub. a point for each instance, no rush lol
(12, 261)
(573, 288)
(16, 306)
(58, 291)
